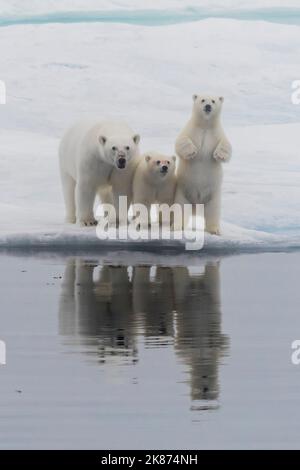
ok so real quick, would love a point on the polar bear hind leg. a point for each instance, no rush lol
(181, 200)
(212, 215)
(68, 186)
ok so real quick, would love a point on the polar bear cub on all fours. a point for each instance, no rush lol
(96, 157)
(154, 181)
(201, 147)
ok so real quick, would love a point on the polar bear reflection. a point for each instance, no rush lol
(98, 311)
(109, 309)
(153, 302)
(199, 341)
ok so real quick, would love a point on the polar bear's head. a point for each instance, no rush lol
(207, 107)
(160, 166)
(119, 149)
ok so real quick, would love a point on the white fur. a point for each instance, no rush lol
(202, 146)
(151, 184)
(89, 156)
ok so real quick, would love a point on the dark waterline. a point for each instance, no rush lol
(155, 17)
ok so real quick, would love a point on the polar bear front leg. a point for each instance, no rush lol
(185, 148)
(223, 151)
(85, 197)
(212, 211)
(122, 196)
(121, 209)
(143, 216)
(105, 195)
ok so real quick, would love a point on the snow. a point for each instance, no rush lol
(56, 74)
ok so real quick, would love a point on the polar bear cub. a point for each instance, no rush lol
(89, 153)
(154, 181)
(202, 146)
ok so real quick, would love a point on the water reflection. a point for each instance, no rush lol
(199, 341)
(153, 302)
(108, 308)
(96, 308)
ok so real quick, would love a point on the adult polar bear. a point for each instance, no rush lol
(96, 157)
(202, 146)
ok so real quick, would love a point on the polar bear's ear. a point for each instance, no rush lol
(174, 158)
(147, 158)
(195, 97)
(221, 98)
(136, 138)
(102, 139)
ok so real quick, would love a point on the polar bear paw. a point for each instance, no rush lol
(221, 155)
(88, 222)
(213, 230)
(187, 150)
(190, 152)
(190, 156)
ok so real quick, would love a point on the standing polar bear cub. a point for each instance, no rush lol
(154, 181)
(98, 157)
(202, 146)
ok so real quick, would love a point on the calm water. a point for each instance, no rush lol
(101, 354)
(155, 17)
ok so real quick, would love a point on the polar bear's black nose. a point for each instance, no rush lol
(164, 169)
(121, 162)
(207, 108)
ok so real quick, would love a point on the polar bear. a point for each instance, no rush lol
(94, 156)
(154, 180)
(202, 146)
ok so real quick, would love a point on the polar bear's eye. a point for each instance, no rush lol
(114, 148)
(213, 101)
(168, 162)
(127, 147)
(203, 101)
(158, 162)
